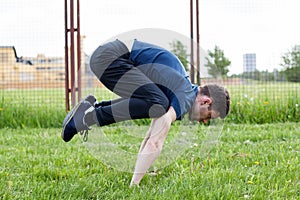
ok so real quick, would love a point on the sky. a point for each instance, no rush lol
(268, 28)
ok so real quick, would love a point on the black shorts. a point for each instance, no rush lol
(140, 97)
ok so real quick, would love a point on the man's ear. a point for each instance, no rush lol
(205, 100)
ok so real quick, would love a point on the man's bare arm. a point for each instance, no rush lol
(152, 144)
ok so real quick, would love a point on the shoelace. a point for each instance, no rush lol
(85, 134)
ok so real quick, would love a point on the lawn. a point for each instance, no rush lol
(256, 157)
(248, 162)
(255, 104)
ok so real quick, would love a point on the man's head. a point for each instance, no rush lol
(212, 101)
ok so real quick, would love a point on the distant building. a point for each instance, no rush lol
(50, 69)
(249, 62)
(21, 72)
(36, 72)
(12, 67)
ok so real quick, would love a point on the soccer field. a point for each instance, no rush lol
(248, 162)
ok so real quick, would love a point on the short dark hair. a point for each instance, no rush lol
(220, 98)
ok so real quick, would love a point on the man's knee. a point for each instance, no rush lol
(160, 108)
(164, 102)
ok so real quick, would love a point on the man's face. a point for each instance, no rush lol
(202, 111)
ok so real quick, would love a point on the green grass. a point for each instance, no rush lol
(265, 103)
(255, 104)
(249, 162)
(44, 108)
(257, 156)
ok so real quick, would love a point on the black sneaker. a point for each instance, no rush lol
(76, 122)
(91, 99)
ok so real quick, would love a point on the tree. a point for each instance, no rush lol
(217, 63)
(180, 51)
(291, 63)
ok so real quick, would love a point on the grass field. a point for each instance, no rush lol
(255, 104)
(257, 156)
(249, 162)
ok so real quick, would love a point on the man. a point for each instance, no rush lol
(151, 83)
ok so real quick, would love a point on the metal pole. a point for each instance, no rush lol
(72, 30)
(192, 43)
(66, 58)
(198, 43)
(70, 64)
(78, 53)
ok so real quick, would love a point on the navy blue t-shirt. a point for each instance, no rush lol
(165, 69)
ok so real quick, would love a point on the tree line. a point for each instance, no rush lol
(217, 64)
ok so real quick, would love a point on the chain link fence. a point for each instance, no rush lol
(32, 70)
